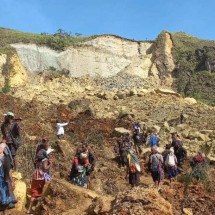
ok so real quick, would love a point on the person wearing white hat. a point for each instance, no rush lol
(10, 130)
(171, 165)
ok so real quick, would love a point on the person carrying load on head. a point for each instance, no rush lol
(10, 130)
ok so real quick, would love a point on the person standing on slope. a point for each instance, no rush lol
(10, 130)
(133, 168)
(60, 128)
(156, 166)
(40, 176)
(7, 198)
(171, 165)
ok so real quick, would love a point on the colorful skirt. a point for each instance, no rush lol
(37, 188)
(6, 193)
(80, 180)
(134, 178)
(172, 171)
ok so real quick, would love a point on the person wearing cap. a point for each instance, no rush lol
(10, 130)
(40, 177)
(7, 198)
(156, 166)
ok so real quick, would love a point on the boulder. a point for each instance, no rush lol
(82, 106)
(185, 133)
(120, 95)
(203, 137)
(106, 95)
(133, 92)
(190, 101)
(187, 211)
(19, 191)
(119, 131)
(89, 88)
(140, 200)
(156, 128)
(167, 92)
(182, 127)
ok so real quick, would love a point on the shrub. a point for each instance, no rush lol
(199, 173)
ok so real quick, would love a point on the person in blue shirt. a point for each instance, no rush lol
(153, 140)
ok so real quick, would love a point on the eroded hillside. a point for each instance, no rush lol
(102, 85)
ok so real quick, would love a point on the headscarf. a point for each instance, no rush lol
(154, 150)
(171, 150)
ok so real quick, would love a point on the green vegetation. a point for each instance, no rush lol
(195, 67)
(200, 174)
(58, 41)
(7, 68)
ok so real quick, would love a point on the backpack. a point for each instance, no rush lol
(170, 160)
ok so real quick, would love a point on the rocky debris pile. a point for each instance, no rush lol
(141, 201)
(122, 81)
(61, 197)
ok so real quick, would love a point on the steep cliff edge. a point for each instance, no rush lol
(173, 60)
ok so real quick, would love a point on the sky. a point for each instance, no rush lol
(133, 19)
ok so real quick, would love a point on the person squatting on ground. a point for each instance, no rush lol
(10, 130)
(82, 167)
(41, 175)
(197, 160)
(7, 198)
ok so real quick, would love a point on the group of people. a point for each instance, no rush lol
(82, 166)
(169, 162)
(10, 130)
(129, 148)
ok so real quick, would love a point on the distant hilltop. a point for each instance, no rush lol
(174, 60)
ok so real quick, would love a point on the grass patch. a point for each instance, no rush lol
(58, 41)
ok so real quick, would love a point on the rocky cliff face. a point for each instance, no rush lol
(103, 56)
(174, 60)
